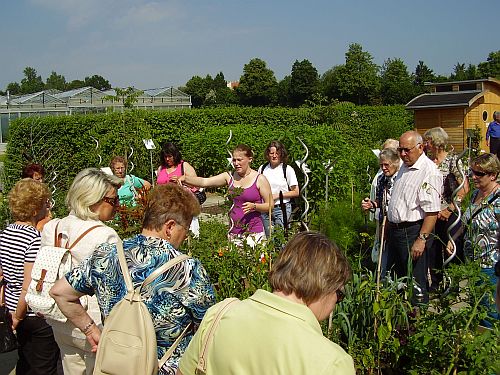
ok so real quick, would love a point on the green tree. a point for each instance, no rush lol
(55, 81)
(258, 85)
(13, 88)
(490, 68)
(75, 84)
(198, 88)
(396, 83)
(283, 92)
(359, 81)
(422, 74)
(223, 94)
(471, 72)
(329, 82)
(31, 82)
(98, 82)
(303, 83)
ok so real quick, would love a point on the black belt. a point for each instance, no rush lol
(404, 224)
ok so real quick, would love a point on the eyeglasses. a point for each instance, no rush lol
(340, 295)
(406, 149)
(478, 173)
(112, 201)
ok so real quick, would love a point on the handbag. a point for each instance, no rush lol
(201, 196)
(51, 264)
(8, 340)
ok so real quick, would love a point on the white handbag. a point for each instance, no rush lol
(52, 263)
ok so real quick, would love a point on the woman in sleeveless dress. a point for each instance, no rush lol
(249, 191)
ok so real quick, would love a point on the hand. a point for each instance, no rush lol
(248, 207)
(15, 321)
(417, 249)
(366, 204)
(449, 248)
(93, 337)
(444, 215)
(178, 179)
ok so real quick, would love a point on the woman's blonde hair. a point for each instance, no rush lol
(438, 136)
(488, 163)
(310, 266)
(27, 198)
(87, 189)
(170, 201)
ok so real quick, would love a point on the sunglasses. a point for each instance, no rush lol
(406, 149)
(112, 201)
(340, 295)
(478, 173)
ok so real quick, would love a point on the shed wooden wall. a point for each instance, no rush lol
(450, 119)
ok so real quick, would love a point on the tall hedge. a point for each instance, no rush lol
(344, 133)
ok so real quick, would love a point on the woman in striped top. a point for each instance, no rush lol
(19, 245)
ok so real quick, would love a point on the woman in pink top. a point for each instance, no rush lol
(250, 191)
(172, 165)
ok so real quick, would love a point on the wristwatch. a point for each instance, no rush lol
(423, 236)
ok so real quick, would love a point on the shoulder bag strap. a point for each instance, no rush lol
(162, 269)
(124, 267)
(481, 207)
(284, 165)
(174, 346)
(57, 238)
(182, 167)
(2, 292)
(83, 235)
(207, 340)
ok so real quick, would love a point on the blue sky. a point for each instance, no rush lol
(149, 44)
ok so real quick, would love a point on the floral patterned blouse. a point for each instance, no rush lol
(446, 167)
(175, 299)
(481, 236)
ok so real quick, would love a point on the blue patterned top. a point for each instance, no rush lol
(180, 296)
(481, 237)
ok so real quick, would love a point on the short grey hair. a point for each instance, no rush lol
(87, 189)
(496, 115)
(390, 155)
(438, 137)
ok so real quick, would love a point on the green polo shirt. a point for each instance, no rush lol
(267, 334)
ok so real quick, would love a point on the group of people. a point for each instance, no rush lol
(307, 280)
(414, 194)
(254, 193)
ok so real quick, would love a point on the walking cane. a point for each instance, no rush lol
(381, 248)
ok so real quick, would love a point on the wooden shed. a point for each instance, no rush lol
(456, 107)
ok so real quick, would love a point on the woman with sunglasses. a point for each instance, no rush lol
(91, 200)
(307, 280)
(482, 218)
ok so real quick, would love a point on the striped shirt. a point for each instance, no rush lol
(417, 190)
(18, 244)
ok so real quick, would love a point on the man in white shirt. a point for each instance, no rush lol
(412, 213)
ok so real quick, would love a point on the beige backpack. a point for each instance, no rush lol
(128, 341)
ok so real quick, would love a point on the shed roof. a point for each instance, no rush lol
(445, 99)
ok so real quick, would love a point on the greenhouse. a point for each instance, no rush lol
(84, 100)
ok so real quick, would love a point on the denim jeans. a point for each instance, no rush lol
(277, 217)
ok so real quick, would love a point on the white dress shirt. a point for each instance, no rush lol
(417, 190)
